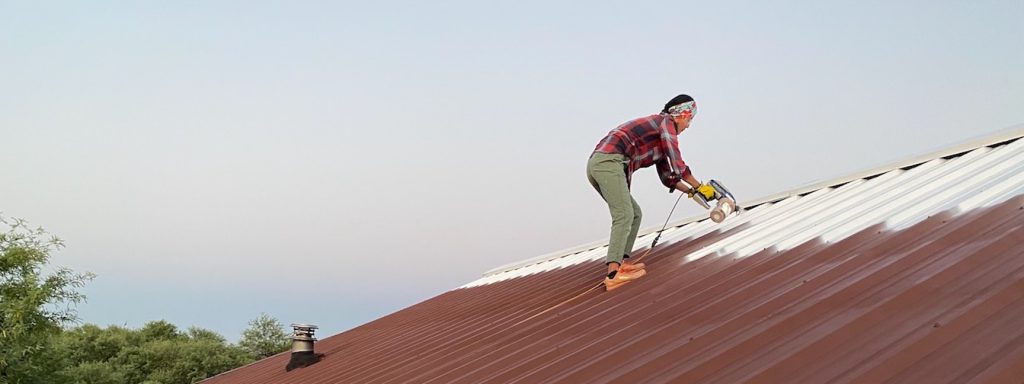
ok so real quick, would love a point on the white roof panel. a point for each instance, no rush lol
(981, 173)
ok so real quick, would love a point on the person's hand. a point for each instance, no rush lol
(707, 191)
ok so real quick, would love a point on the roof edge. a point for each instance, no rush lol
(1009, 134)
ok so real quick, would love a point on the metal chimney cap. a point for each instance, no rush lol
(304, 326)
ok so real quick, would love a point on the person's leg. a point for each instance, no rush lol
(608, 176)
(627, 264)
(635, 228)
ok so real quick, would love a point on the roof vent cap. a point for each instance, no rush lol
(303, 354)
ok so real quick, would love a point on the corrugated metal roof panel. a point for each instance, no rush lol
(899, 197)
(915, 274)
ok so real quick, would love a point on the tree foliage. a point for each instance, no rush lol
(265, 337)
(34, 304)
(37, 305)
(156, 353)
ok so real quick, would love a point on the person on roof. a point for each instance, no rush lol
(639, 143)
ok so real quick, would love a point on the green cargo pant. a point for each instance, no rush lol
(607, 173)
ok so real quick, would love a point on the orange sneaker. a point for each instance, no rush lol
(621, 278)
(624, 267)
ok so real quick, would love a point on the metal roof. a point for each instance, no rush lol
(967, 164)
(913, 273)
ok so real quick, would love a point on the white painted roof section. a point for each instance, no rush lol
(976, 174)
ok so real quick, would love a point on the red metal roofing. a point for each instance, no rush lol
(939, 301)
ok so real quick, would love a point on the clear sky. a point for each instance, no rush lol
(332, 162)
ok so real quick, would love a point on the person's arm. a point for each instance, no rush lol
(688, 184)
(672, 169)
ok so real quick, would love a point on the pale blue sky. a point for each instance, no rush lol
(332, 162)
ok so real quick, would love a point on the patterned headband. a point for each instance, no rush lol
(687, 108)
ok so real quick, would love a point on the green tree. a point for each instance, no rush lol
(198, 334)
(160, 330)
(181, 361)
(34, 304)
(94, 373)
(155, 353)
(265, 337)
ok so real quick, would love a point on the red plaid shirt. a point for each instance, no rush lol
(647, 141)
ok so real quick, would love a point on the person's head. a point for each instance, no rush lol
(682, 108)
